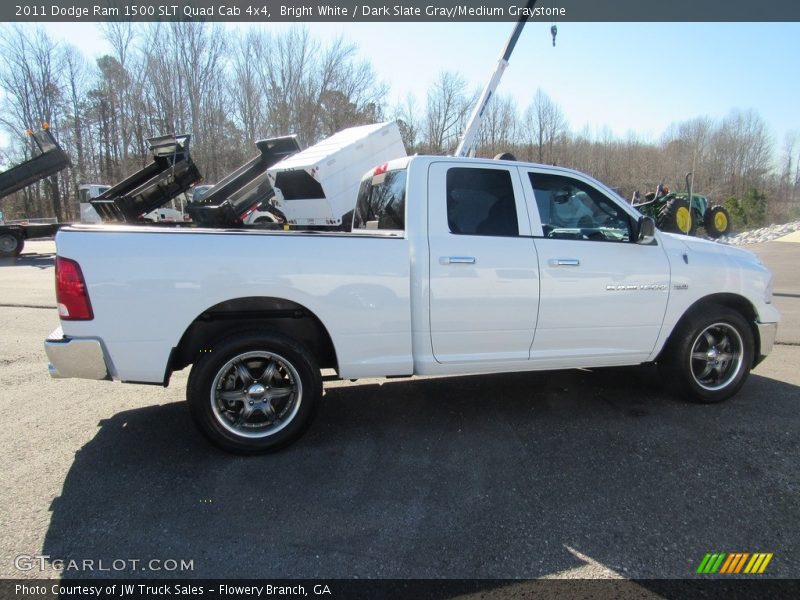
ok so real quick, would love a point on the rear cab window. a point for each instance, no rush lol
(381, 202)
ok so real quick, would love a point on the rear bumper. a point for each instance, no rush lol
(766, 336)
(75, 358)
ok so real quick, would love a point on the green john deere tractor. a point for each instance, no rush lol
(684, 212)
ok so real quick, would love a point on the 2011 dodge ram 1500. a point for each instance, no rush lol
(453, 266)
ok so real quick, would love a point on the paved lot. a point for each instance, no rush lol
(570, 473)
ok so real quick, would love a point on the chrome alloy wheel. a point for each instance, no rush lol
(256, 394)
(717, 356)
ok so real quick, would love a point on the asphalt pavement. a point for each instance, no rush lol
(561, 474)
(783, 259)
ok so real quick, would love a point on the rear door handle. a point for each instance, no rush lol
(462, 260)
(565, 262)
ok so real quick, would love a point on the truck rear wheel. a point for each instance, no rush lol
(254, 392)
(708, 358)
(10, 245)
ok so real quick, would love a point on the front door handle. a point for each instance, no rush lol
(463, 260)
(565, 262)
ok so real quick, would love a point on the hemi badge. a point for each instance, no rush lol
(681, 286)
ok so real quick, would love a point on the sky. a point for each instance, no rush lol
(627, 77)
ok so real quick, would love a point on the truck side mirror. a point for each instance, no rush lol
(646, 230)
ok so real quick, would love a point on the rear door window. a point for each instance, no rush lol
(481, 202)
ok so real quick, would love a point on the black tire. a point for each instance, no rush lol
(717, 222)
(10, 245)
(271, 416)
(675, 216)
(709, 355)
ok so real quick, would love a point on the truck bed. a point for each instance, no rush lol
(173, 276)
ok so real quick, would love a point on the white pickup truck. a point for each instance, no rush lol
(453, 266)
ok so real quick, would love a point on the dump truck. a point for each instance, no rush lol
(48, 158)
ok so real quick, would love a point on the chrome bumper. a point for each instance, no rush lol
(75, 358)
(766, 335)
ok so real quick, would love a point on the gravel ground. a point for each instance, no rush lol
(761, 235)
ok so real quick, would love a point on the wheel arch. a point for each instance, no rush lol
(231, 317)
(735, 302)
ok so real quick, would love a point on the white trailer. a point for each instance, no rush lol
(318, 186)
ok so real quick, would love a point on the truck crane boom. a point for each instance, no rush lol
(468, 140)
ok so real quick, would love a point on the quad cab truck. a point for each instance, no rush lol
(453, 266)
(447, 266)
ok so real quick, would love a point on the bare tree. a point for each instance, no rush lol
(406, 114)
(313, 90)
(30, 69)
(499, 127)
(448, 107)
(247, 97)
(741, 149)
(544, 125)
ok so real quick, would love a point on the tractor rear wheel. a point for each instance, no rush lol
(675, 216)
(717, 222)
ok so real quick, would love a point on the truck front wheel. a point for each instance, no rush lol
(709, 356)
(254, 393)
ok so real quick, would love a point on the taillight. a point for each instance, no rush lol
(247, 213)
(71, 294)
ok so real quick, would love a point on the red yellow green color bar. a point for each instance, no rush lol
(734, 562)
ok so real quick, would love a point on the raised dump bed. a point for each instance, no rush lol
(48, 158)
(171, 172)
(318, 186)
(230, 200)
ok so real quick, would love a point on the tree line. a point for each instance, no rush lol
(230, 88)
